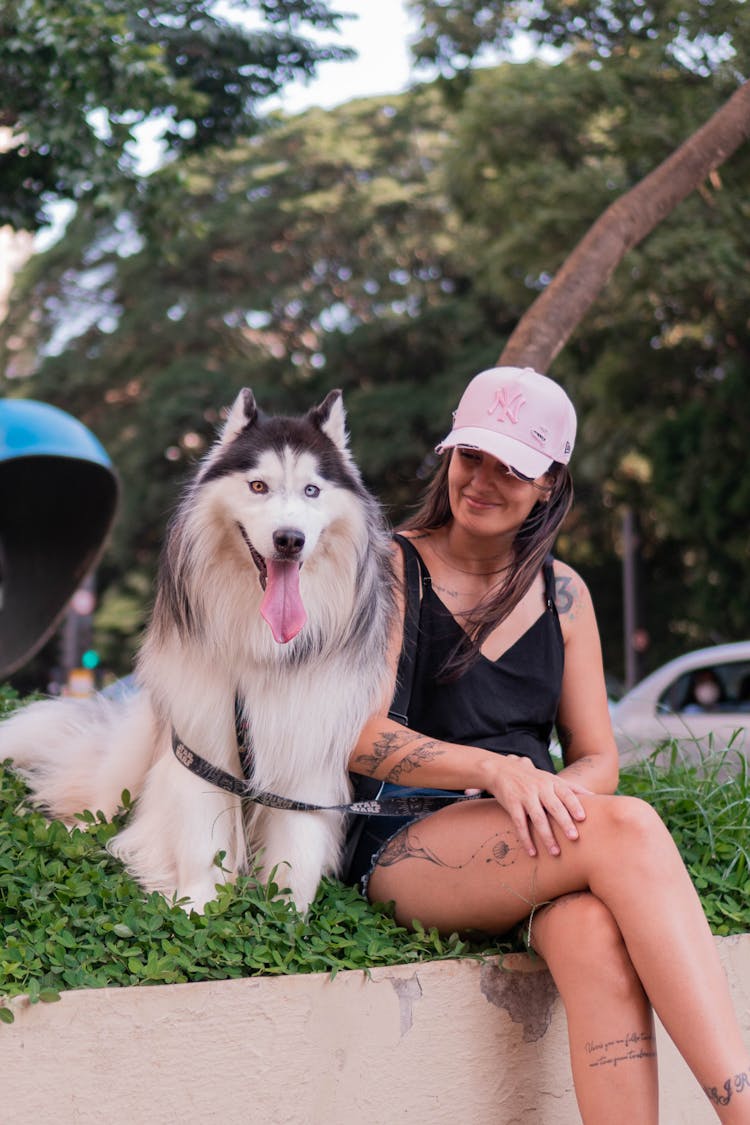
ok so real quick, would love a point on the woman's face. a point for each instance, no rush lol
(486, 497)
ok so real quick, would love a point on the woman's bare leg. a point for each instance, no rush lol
(610, 1021)
(463, 868)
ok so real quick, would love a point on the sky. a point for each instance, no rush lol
(380, 35)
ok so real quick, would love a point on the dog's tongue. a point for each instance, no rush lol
(282, 606)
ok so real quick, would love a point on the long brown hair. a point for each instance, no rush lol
(532, 545)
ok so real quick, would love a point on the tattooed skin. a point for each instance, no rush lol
(387, 743)
(564, 594)
(735, 1085)
(404, 846)
(425, 752)
(612, 1052)
(407, 846)
(581, 765)
(447, 590)
(500, 853)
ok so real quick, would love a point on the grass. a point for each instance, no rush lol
(706, 806)
(71, 917)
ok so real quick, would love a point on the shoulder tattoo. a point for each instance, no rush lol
(567, 595)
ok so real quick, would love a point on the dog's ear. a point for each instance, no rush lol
(330, 417)
(242, 414)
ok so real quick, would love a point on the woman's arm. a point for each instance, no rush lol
(391, 752)
(584, 726)
(538, 802)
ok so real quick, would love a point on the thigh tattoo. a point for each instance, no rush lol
(406, 845)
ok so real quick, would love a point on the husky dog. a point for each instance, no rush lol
(275, 595)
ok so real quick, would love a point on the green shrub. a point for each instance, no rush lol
(706, 807)
(71, 917)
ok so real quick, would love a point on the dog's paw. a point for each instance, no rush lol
(195, 896)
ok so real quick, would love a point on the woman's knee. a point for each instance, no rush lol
(575, 926)
(629, 822)
(583, 947)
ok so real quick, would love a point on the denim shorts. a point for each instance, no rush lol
(369, 835)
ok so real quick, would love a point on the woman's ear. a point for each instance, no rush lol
(545, 487)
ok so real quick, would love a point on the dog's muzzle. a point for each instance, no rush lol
(282, 604)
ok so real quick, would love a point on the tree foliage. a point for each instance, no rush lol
(390, 247)
(699, 38)
(656, 73)
(315, 255)
(79, 76)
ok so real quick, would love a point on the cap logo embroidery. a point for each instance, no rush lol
(507, 407)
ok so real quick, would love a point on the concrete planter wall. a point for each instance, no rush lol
(429, 1044)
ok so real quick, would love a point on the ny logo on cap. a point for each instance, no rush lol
(506, 406)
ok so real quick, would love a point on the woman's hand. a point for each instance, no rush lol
(537, 802)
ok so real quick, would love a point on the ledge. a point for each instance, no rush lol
(438, 1042)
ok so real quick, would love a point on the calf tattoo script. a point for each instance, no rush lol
(722, 1095)
(613, 1052)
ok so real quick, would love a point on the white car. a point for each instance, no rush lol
(701, 698)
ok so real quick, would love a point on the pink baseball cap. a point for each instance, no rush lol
(517, 415)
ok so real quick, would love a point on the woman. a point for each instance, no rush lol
(506, 646)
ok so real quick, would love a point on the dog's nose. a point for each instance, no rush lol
(288, 541)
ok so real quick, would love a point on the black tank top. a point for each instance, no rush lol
(506, 705)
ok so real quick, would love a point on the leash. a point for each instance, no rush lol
(243, 788)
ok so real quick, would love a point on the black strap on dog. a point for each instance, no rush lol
(388, 806)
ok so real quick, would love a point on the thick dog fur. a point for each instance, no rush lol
(283, 490)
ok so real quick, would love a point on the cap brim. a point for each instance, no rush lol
(529, 462)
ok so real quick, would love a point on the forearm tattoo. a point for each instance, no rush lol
(390, 742)
(425, 752)
(735, 1085)
(613, 1052)
(581, 765)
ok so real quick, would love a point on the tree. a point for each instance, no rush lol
(697, 38)
(705, 50)
(546, 326)
(314, 255)
(388, 247)
(79, 76)
(700, 41)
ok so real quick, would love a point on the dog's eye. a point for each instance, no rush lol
(258, 486)
(312, 490)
